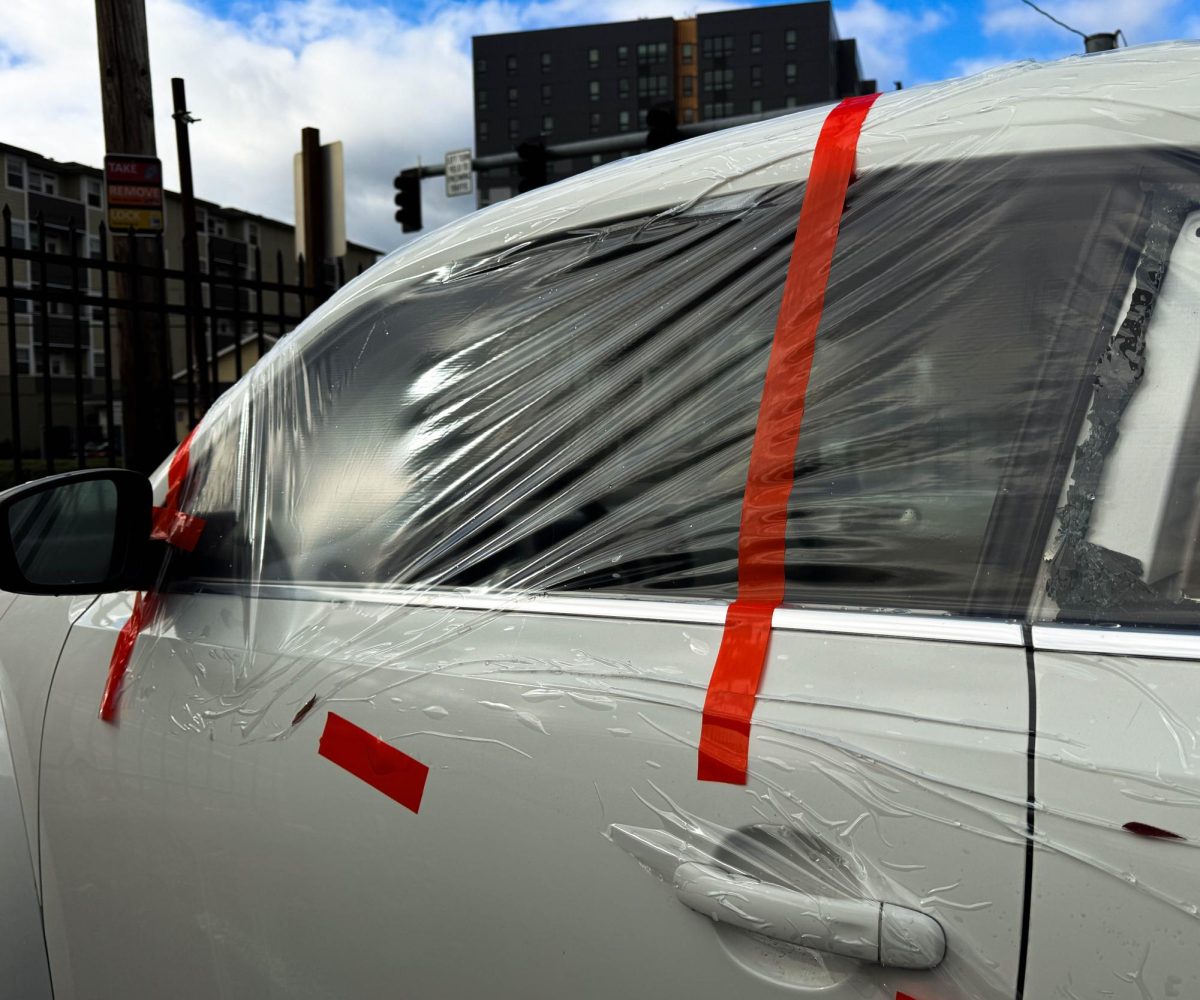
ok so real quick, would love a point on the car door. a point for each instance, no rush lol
(1118, 705)
(421, 712)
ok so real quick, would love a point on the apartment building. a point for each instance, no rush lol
(570, 84)
(59, 207)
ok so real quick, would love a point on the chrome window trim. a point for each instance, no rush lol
(948, 628)
(696, 612)
(1116, 641)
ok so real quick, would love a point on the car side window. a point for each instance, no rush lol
(576, 413)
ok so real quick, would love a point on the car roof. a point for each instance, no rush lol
(1137, 96)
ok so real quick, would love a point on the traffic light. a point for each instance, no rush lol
(408, 199)
(531, 170)
(660, 126)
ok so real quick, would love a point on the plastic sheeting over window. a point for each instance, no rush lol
(575, 413)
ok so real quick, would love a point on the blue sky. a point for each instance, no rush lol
(955, 33)
(392, 79)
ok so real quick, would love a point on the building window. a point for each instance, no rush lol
(623, 121)
(594, 122)
(94, 247)
(789, 73)
(687, 53)
(689, 86)
(622, 55)
(514, 128)
(547, 62)
(42, 182)
(16, 172)
(512, 97)
(652, 86)
(480, 65)
(789, 39)
(481, 100)
(252, 233)
(594, 90)
(510, 64)
(755, 42)
(718, 79)
(718, 109)
(547, 124)
(593, 58)
(597, 159)
(689, 115)
(483, 131)
(790, 102)
(755, 76)
(18, 233)
(92, 186)
(756, 106)
(547, 92)
(717, 46)
(642, 112)
(623, 87)
(651, 52)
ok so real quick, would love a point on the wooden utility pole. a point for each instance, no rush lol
(147, 397)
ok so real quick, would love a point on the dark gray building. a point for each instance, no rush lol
(568, 84)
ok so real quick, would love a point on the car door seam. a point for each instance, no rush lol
(1030, 810)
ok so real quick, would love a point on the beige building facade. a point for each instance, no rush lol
(58, 207)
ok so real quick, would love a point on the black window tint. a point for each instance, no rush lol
(577, 414)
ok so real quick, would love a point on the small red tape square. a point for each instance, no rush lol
(370, 759)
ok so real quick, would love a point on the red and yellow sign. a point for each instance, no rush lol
(133, 193)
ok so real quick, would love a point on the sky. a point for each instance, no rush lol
(392, 79)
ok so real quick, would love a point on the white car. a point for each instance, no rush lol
(762, 568)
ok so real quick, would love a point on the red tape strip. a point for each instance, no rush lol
(169, 524)
(174, 526)
(762, 547)
(370, 759)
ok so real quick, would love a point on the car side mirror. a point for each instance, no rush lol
(85, 532)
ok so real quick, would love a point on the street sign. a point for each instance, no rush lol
(133, 193)
(459, 179)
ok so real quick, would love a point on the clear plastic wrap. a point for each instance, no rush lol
(497, 483)
(575, 413)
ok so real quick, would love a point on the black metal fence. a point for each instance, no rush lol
(63, 298)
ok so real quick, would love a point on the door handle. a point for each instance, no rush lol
(865, 929)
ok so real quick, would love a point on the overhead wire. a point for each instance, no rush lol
(1061, 24)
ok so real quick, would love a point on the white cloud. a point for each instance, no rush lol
(969, 67)
(1015, 31)
(392, 89)
(1140, 20)
(885, 35)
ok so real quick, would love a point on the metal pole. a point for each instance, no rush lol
(313, 169)
(191, 250)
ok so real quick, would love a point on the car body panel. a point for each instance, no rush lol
(32, 633)
(250, 865)
(1117, 747)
